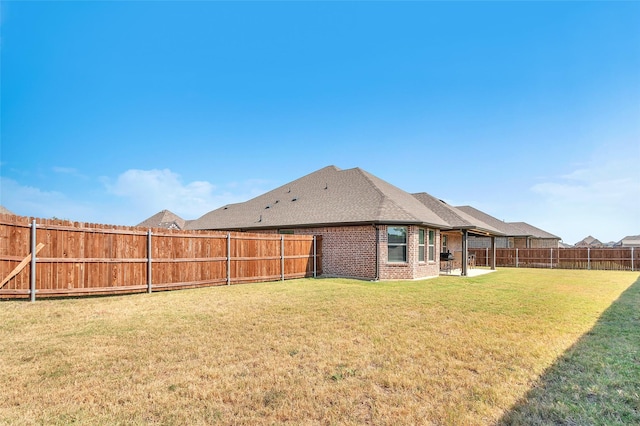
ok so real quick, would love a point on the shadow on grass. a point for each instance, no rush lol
(596, 381)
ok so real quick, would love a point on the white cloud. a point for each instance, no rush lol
(128, 199)
(601, 198)
(31, 201)
(153, 190)
(68, 171)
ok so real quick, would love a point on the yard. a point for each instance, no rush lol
(517, 346)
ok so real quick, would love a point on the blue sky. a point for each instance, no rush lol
(529, 111)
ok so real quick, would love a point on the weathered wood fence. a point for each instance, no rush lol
(614, 259)
(75, 259)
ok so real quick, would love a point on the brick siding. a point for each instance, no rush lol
(349, 251)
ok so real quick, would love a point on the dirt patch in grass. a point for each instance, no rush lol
(444, 351)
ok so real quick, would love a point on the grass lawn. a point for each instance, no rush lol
(518, 346)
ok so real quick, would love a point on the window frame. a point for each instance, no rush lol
(396, 244)
(421, 245)
(432, 245)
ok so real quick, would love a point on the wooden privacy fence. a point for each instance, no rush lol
(613, 259)
(74, 259)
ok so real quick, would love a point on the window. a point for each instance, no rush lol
(432, 243)
(397, 243)
(420, 245)
(444, 244)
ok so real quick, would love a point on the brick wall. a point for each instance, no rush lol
(412, 269)
(350, 251)
(347, 251)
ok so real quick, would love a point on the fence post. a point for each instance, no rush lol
(551, 264)
(588, 258)
(32, 287)
(282, 257)
(228, 258)
(516, 257)
(315, 253)
(486, 256)
(149, 260)
(632, 259)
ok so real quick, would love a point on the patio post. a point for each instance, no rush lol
(493, 253)
(465, 252)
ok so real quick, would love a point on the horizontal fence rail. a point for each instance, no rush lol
(612, 259)
(47, 257)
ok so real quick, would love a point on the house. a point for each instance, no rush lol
(4, 210)
(164, 219)
(629, 241)
(589, 242)
(370, 228)
(516, 234)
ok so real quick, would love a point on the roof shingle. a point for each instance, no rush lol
(325, 197)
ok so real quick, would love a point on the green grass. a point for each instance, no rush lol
(512, 347)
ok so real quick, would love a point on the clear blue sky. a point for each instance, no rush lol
(113, 111)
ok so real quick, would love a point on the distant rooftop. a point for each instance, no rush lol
(164, 219)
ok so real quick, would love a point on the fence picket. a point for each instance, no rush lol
(607, 258)
(80, 259)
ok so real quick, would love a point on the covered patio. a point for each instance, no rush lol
(454, 242)
(471, 272)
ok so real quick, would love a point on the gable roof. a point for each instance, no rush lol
(328, 196)
(589, 241)
(629, 240)
(456, 218)
(512, 229)
(4, 210)
(164, 219)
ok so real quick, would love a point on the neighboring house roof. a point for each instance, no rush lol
(326, 197)
(456, 218)
(4, 210)
(164, 219)
(498, 224)
(532, 231)
(629, 241)
(588, 241)
(511, 229)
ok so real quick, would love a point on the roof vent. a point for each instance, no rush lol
(326, 186)
(294, 199)
(268, 207)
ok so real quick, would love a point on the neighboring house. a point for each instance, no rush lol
(516, 234)
(164, 219)
(370, 229)
(589, 242)
(4, 210)
(629, 241)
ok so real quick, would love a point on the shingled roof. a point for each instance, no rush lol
(164, 219)
(456, 218)
(530, 230)
(4, 210)
(512, 229)
(326, 197)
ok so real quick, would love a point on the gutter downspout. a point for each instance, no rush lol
(377, 244)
